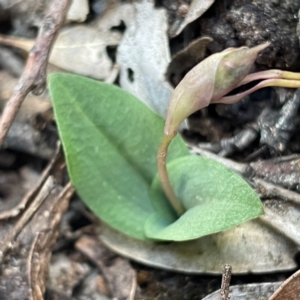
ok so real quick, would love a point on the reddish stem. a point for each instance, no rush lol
(164, 177)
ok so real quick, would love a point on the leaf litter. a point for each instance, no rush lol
(144, 55)
(194, 11)
(279, 239)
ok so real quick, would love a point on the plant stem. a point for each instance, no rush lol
(164, 177)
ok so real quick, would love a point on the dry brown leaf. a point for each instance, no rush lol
(117, 271)
(143, 56)
(79, 49)
(196, 9)
(253, 291)
(289, 290)
(21, 43)
(249, 247)
(82, 50)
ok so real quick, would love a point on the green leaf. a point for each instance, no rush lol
(216, 199)
(110, 141)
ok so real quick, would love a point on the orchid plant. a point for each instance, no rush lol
(110, 140)
(210, 82)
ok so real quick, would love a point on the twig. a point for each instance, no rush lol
(34, 191)
(39, 253)
(270, 190)
(33, 77)
(44, 193)
(226, 282)
(240, 168)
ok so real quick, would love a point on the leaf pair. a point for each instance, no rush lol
(110, 141)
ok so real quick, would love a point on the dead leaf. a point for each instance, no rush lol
(30, 239)
(114, 15)
(21, 43)
(77, 11)
(16, 204)
(82, 50)
(249, 247)
(79, 49)
(117, 271)
(197, 8)
(187, 58)
(248, 291)
(284, 216)
(281, 171)
(91, 288)
(143, 56)
(66, 273)
(289, 290)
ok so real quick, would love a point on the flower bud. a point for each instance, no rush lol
(208, 82)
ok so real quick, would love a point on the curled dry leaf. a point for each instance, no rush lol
(248, 291)
(289, 290)
(21, 43)
(249, 247)
(143, 56)
(197, 8)
(185, 59)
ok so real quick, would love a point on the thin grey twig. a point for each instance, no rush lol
(235, 166)
(33, 77)
(270, 190)
(34, 191)
(8, 240)
(226, 277)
